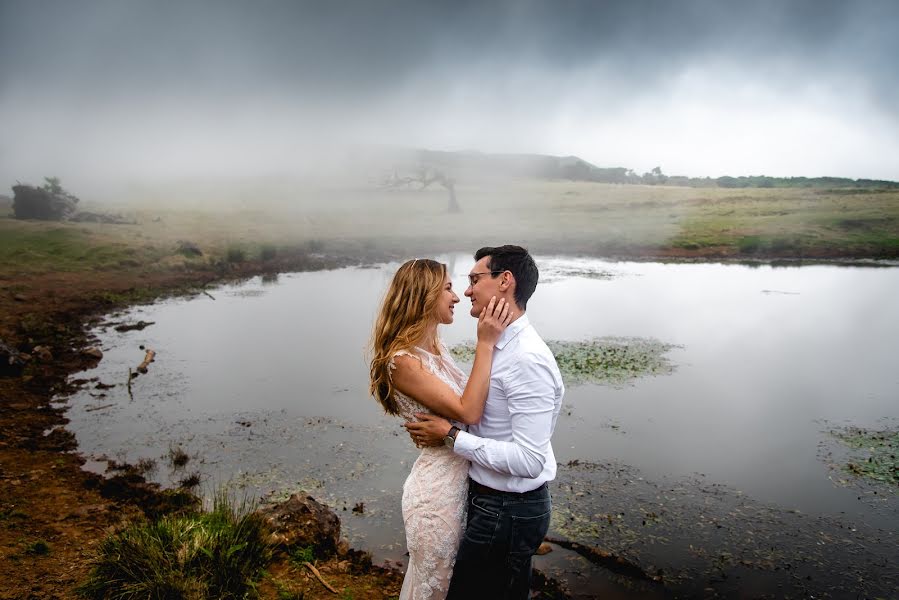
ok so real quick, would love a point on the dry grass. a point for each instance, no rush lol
(565, 217)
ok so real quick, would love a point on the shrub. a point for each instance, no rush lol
(268, 252)
(38, 548)
(305, 554)
(235, 254)
(216, 554)
(750, 244)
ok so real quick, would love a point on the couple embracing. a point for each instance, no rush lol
(476, 505)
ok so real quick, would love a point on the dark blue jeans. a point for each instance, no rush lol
(502, 534)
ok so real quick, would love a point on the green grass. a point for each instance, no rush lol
(547, 216)
(221, 553)
(298, 556)
(42, 247)
(792, 223)
(284, 590)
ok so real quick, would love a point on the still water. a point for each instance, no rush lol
(265, 386)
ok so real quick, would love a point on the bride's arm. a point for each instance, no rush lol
(414, 380)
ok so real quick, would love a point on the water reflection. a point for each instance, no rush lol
(766, 356)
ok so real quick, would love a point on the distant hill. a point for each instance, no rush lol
(544, 166)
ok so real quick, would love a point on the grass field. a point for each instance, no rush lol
(549, 217)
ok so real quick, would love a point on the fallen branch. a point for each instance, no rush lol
(208, 294)
(616, 564)
(130, 377)
(142, 368)
(93, 408)
(319, 576)
(139, 326)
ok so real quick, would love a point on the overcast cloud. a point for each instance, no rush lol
(128, 88)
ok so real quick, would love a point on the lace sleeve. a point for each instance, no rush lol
(392, 365)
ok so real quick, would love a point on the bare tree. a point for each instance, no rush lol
(424, 177)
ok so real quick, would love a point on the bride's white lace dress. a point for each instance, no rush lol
(435, 496)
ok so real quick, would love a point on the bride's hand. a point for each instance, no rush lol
(493, 320)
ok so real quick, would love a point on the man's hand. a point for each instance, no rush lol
(429, 431)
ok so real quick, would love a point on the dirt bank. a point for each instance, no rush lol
(52, 513)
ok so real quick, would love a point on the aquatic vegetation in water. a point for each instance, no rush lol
(694, 533)
(875, 455)
(610, 360)
(178, 457)
(555, 273)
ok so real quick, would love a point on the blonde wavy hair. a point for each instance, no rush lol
(409, 308)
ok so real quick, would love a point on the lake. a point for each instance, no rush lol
(264, 385)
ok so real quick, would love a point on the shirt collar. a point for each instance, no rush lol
(511, 331)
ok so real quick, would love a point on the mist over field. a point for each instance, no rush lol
(117, 98)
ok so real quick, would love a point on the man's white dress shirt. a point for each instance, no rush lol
(510, 448)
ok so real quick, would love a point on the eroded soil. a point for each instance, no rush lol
(52, 513)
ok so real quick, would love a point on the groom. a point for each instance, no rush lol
(511, 455)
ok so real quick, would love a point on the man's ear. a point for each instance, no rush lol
(507, 280)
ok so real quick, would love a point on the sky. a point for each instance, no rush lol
(144, 89)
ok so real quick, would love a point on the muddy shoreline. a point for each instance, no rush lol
(50, 499)
(52, 512)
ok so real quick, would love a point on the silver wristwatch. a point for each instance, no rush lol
(449, 440)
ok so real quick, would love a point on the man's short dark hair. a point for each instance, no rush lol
(516, 260)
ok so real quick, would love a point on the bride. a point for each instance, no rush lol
(412, 371)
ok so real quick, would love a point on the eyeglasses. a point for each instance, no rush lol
(474, 277)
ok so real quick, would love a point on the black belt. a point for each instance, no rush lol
(480, 488)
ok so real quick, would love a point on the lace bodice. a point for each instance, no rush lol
(442, 365)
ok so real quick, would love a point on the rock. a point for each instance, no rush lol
(303, 521)
(93, 352)
(43, 353)
(85, 511)
(32, 202)
(20, 298)
(11, 360)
